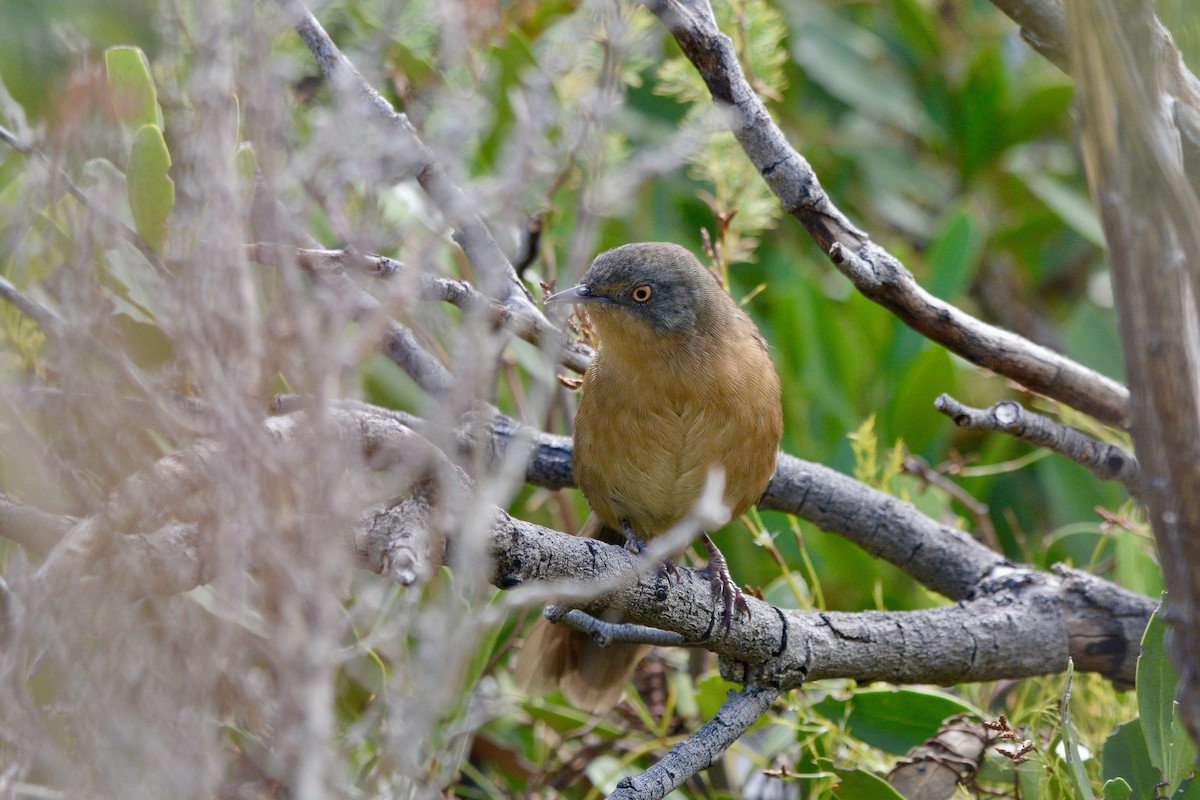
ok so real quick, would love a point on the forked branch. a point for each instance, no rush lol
(875, 272)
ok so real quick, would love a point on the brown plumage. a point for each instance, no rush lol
(681, 382)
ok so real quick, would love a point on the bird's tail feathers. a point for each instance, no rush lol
(590, 676)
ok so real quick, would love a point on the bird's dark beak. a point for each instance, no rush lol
(576, 294)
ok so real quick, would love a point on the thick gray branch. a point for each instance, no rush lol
(30, 527)
(1022, 622)
(942, 558)
(1016, 622)
(876, 273)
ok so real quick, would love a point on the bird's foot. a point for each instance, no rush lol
(667, 571)
(723, 587)
(632, 543)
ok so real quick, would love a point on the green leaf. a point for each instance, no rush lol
(1126, 757)
(1073, 207)
(102, 173)
(711, 692)
(840, 57)
(1039, 112)
(151, 190)
(981, 110)
(246, 165)
(788, 591)
(1171, 751)
(126, 275)
(1189, 789)
(385, 384)
(146, 344)
(1076, 770)
(1117, 789)
(1029, 780)
(557, 713)
(893, 720)
(1134, 566)
(920, 381)
(920, 26)
(954, 253)
(1090, 336)
(134, 97)
(862, 785)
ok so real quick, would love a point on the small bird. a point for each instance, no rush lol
(681, 382)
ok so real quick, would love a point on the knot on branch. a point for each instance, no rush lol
(1104, 624)
(399, 542)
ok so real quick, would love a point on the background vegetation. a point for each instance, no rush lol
(931, 124)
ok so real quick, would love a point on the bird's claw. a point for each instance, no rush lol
(632, 543)
(723, 587)
(667, 571)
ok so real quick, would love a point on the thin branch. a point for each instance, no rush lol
(701, 750)
(331, 261)
(500, 279)
(531, 241)
(916, 465)
(460, 294)
(49, 321)
(607, 633)
(1106, 461)
(397, 342)
(13, 141)
(876, 273)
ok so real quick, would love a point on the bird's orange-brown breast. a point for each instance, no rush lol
(659, 411)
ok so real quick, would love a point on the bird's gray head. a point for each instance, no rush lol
(659, 283)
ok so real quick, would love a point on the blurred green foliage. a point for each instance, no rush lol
(43, 42)
(938, 132)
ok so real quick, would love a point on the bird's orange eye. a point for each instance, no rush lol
(641, 294)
